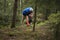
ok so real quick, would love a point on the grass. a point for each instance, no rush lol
(25, 33)
(19, 35)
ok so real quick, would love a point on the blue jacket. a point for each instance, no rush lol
(26, 11)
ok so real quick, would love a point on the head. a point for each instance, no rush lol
(31, 10)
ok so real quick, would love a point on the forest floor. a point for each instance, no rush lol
(25, 33)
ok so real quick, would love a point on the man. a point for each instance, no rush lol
(28, 14)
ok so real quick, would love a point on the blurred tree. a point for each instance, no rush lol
(14, 14)
(35, 15)
(4, 6)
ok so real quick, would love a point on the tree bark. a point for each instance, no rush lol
(57, 34)
(35, 15)
(4, 6)
(14, 14)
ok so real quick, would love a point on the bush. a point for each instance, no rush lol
(54, 18)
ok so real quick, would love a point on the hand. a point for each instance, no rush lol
(28, 24)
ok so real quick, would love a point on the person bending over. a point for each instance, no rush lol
(28, 14)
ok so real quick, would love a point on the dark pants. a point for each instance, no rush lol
(30, 19)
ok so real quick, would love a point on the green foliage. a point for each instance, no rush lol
(54, 18)
(42, 5)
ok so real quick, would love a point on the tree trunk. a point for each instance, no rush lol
(4, 6)
(57, 37)
(14, 14)
(35, 15)
(47, 13)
